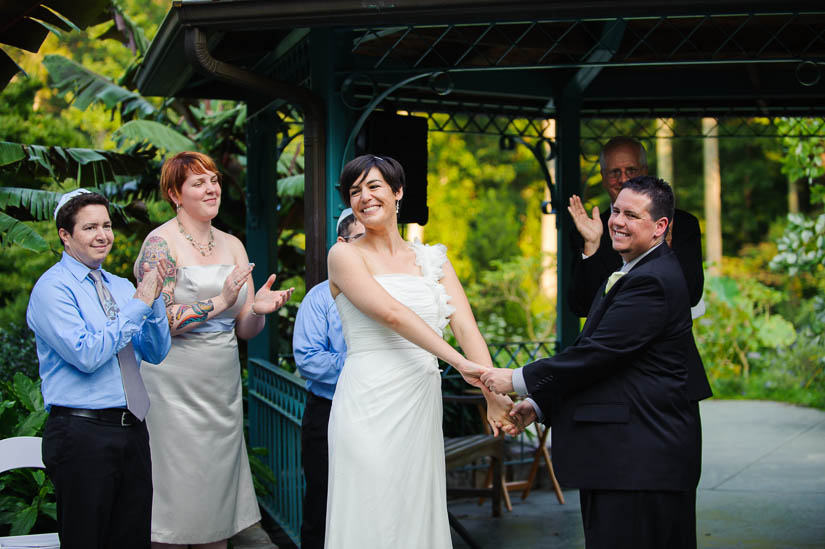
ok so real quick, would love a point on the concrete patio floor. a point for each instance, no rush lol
(762, 486)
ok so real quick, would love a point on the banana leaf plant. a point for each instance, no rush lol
(116, 175)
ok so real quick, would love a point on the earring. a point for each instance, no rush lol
(178, 207)
(397, 207)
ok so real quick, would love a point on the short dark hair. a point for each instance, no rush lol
(67, 214)
(390, 169)
(662, 202)
(345, 226)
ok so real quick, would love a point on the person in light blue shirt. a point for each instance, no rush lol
(96, 451)
(319, 349)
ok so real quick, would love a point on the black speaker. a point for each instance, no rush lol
(403, 138)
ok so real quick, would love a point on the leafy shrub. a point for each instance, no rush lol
(18, 352)
(509, 304)
(739, 325)
(26, 495)
(801, 249)
(750, 350)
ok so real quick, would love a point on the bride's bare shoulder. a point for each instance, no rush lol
(343, 255)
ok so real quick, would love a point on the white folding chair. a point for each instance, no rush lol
(15, 453)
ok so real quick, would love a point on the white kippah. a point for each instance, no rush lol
(68, 196)
(345, 214)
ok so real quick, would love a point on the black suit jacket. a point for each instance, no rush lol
(590, 273)
(618, 398)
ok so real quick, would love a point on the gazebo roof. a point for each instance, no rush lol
(641, 57)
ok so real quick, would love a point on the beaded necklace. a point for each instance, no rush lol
(204, 249)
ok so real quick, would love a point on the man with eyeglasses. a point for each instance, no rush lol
(621, 159)
(319, 349)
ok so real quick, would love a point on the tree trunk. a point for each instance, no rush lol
(713, 196)
(664, 150)
(414, 230)
(793, 197)
(549, 238)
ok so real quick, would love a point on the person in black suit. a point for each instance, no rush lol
(593, 256)
(625, 430)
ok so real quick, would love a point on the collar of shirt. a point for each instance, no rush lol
(79, 270)
(632, 263)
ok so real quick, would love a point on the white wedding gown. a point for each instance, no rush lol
(386, 466)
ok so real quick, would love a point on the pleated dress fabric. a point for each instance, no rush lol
(387, 485)
(203, 488)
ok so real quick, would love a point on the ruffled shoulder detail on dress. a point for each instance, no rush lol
(431, 259)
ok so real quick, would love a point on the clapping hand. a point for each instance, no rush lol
(268, 300)
(151, 281)
(589, 227)
(234, 282)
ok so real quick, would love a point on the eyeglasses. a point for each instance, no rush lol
(630, 172)
(352, 237)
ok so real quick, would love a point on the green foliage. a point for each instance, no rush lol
(13, 231)
(739, 324)
(26, 496)
(750, 349)
(508, 303)
(802, 247)
(87, 87)
(156, 134)
(803, 158)
(18, 353)
(23, 21)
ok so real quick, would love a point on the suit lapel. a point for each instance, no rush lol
(598, 307)
(660, 250)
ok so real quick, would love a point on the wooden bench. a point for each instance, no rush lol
(464, 450)
(461, 451)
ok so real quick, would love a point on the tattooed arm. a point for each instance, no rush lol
(182, 316)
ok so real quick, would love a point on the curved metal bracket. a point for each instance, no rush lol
(371, 107)
(808, 73)
(508, 143)
(349, 82)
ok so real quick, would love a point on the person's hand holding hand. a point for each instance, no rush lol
(589, 227)
(471, 372)
(498, 380)
(268, 300)
(498, 413)
(523, 415)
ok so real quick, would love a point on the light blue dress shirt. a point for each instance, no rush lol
(318, 341)
(77, 344)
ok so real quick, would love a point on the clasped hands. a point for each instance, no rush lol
(496, 383)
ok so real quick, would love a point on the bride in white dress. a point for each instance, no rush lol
(386, 466)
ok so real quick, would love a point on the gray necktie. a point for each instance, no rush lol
(137, 399)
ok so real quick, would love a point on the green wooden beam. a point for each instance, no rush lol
(326, 53)
(262, 216)
(568, 183)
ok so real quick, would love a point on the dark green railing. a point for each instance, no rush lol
(276, 406)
